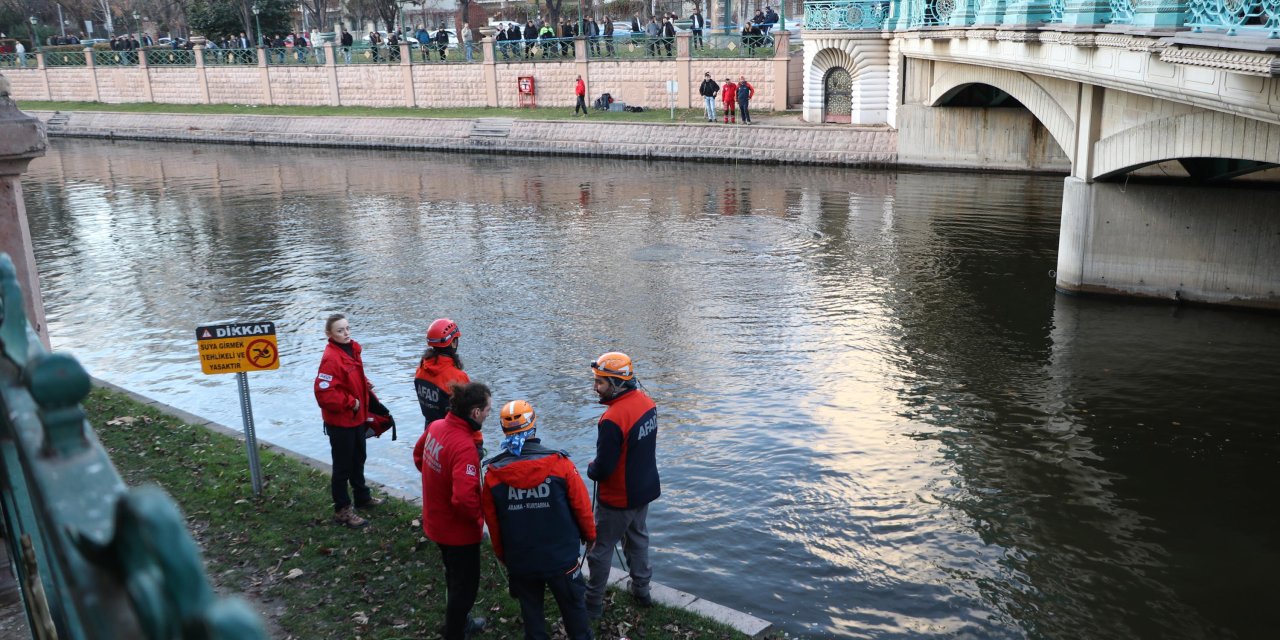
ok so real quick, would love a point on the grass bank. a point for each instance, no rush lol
(469, 113)
(315, 579)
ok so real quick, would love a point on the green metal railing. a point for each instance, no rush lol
(171, 58)
(115, 58)
(225, 57)
(1259, 18)
(93, 559)
(63, 58)
(734, 46)
(846, 14)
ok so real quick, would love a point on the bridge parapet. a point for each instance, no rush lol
(1248, 18)
(846, 15)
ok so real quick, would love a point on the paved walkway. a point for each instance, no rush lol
(781, 139)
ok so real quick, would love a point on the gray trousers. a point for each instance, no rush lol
(612, 525)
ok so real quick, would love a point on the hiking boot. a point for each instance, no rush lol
(371, 502)
(348, 516)
(642, 599)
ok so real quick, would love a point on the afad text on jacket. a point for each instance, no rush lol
(538, 510)
(431, 382)
(626, 446)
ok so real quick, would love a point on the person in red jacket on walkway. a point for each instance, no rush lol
(344, 395)
(580, 89)
(729, 93)
(626, 469)
(538, 511)
(450, 465)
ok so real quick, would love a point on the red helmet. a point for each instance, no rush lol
(443, 333)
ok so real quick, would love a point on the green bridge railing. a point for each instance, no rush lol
(93, 558)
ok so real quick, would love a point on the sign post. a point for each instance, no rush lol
(238, 348)
(673, 87)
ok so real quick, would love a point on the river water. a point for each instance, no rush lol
(878, 419)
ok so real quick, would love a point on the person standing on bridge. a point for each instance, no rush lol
(345, 397)
(626, 469)
(538, 511)
(451, 515)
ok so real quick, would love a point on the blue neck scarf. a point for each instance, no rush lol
(515, 442)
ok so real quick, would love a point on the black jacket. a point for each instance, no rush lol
(708, 88)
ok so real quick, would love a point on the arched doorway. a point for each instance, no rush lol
(837, 96)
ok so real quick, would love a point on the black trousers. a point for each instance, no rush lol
(744, 110)
(582, 104)
(346, 448)
(462, 582)
(568, 589)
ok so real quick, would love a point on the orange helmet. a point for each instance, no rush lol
(614, 364)
(517, 417)
(442, 333)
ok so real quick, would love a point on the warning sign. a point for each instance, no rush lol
(233, 348)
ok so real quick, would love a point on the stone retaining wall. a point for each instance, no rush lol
(490, 83)
(765, 144)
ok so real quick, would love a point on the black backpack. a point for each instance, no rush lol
(602, 103)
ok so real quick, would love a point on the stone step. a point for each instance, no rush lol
(491, 127)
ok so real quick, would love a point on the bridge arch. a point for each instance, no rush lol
(868, 67)
(1198, 135)
(1022, 87)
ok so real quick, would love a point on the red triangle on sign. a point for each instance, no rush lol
(207, 334)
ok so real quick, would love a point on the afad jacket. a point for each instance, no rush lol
(340, 384)
(626, 465)
(745, 91)
(450, 465)
(580, 88)
(432, 381)
(538, 509)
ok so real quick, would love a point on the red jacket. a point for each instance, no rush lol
(339, 384)
(580, 88)
(450, 465)
(729, 92)
(626, 465)
(432, 382)
(540, 500)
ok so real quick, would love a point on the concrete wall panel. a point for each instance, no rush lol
(1191, 243)
(975, 138)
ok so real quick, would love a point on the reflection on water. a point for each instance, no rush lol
(878, 418)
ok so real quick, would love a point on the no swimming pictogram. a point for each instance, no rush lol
(262, 353)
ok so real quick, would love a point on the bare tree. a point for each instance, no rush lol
(319, 9)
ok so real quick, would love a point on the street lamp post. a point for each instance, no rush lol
(35, 43)
(257, 24)
(137, 27)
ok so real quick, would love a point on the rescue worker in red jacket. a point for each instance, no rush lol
(538, 511)
(450, 465)
(440, 367)
(627, 469)
(343, 393)
(729, 93)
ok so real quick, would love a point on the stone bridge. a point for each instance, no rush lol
(1165, 114)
